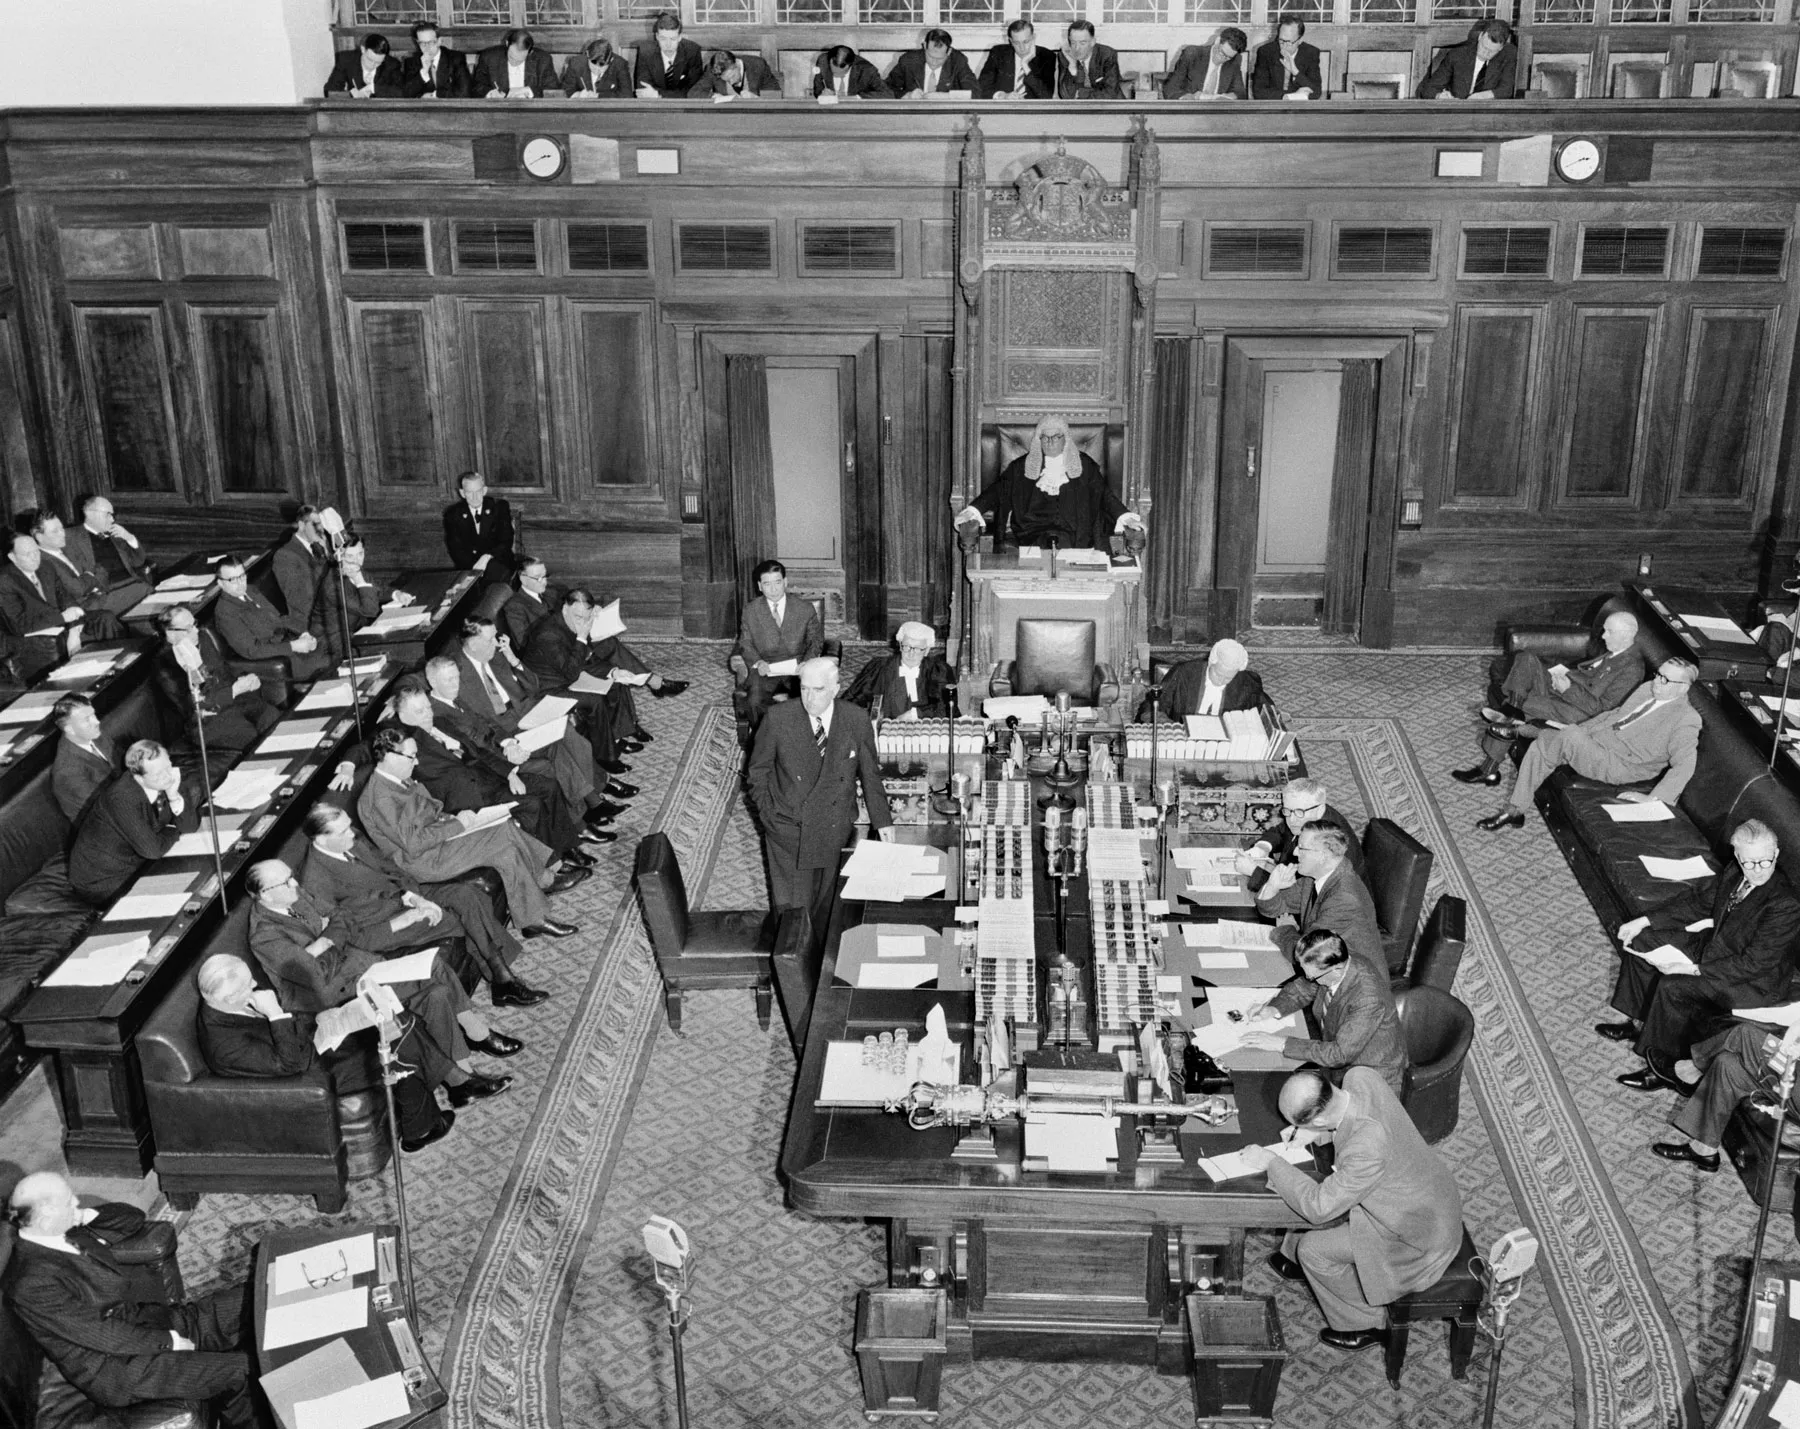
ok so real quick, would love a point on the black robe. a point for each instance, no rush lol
(1081, 514)
(881, 676)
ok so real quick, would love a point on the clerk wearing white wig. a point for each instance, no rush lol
(1055, 492)
(909, 685)
(1218, 684)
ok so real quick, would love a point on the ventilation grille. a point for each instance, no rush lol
(1506, 252)
(726, 247)
(486, 246)
(609, 248)
(1256, 250)
(850, 248)
(1742, 252)
(1379, 252)
(1624, 252)
(385, 248)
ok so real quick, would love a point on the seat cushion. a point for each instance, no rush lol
(1459, 1285)
(1618, 849)
(48, 893)
(737, 933)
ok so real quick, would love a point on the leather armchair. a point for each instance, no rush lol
(1054, 656)
(1396, 867)
(713, 949)
(1441, 945)
(1438, 1030)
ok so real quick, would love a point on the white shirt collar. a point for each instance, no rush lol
(48, 1242)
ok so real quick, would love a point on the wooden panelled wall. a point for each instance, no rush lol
(206, 313)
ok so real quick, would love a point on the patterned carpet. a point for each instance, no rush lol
(537, 1298)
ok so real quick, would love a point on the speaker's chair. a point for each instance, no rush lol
(1054, 656)
(1002, 445)
(1438, 1029)
(1456, 1297)
(699, 950)
(1396, 867)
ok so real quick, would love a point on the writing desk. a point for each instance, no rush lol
(1720, 655)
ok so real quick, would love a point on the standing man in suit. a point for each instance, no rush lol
(914, 684)
(1215, 71)
(1405, 1212)
(671, 66)
(1302, 801)
(300, 563)
(433, 70)
(1018, 69)
(1088, 70)
(808, 757)
(367, 72)
(1484, 66)
(1743, 940)
(844, 74)
(68, 1287)
(251, 629)
(777, 632)
(85, 757)
(515, 69)
(70, 585)
(195, 682)
(134, 820)
(1220, 683)
(1319, 889)
(735, 77)
(937, 67)
(101, 545)
(478, 531)
(47, 634)
(1352, 1008)
(597, 71)
(1656, 731)
(1287, 67)
(1526, 691)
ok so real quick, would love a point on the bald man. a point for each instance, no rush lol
(1220, 683)
(912, 684)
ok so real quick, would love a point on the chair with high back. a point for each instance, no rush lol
(1396, 868)
(700, 950)
(1441, 945)
(1054, 656)
(1439, 1030)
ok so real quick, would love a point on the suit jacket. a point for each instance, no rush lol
(78, 775)
(612, 81)
(451, 79)
(683, 71)
(881, 677)
(1342, 904)
(557, 657)
(121, 562)
(1456, 67)
(73, 585)
(24, 609)
(1283, 841)
(298, 570)
(998, 71)
(1189, 74)
(347, 74)
(519, 687)
(462, 780)
(1268, 80)
(1404, 1208)
(173, 685)
(522, 611)
(1357, 1024)
(1101, 73)
(122, 832)
(800, 636)
(1748, 955)
(863, 82)
(491, 72)
(807, 801)
(1083, 513)
(1183, 687)
(363, 602)
(364, 896)
(247, 1044)
(1666, 742)
(908, 74)
(306, 984)
(758, 79)
(1602, 683)
(407, 823)
(468, 540)
(252, 629)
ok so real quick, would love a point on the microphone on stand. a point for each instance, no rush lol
(189, 658)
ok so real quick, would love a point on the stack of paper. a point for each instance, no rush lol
(1116, 854)
(85, 667)
(244, 789)
(198, 580)
(327, 695)
(1029, 709)
(293, 735)
(1676, 870)
(1071, 1141)
(1716, 627)
(539, 736)
(404, 617)
(30, 708)
(549, 708)
(309, 1314)
(156, 601)
(100, 961)
(348, 1256)
(1229, 933)
(880, 872)
(1652, 812)
(488, 817)
(607, 623)
(157, 895)
(1208, 870)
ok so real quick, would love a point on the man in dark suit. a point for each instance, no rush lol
(1302, 802)
(236, 714)
(1525, 691)
(735, 77)
(134, 820)
(367, 72)
(68, 584)
(1743, 1062)
(597, 71)
(1320, 890)
(1484, 66)
(844, 74)
(559, 652)
(252, 629)
(102, 546)
(670, 66)
(1287, 67)
(47, 633)
(478, 531)
(937, 67)
(776, 633)
(914, 684)
(1018, 69)
(66, 1284)
(515, 69)
(1088, 70)
(1352, 1010)
(1220, 683)
(347, 597)
(531, 602)
(433, 70)
(300, 563)
(1742, 938)
(1215, 71)
(808, 757)
(85, 757)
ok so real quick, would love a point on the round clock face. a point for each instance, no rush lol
(543, 158)
(1578, 160)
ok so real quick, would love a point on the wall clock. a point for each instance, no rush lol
(543, 157)
(1578, 161)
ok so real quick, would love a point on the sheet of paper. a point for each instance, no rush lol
(628, 677)
(846, 1081)
(549, 708)
(784, 667)
(486, 818)
(84, 667)
(337, 1308)
(1165, 984)
(1219, 961)
(1082, 556)
(327, 695)
(590, 684)
(1792, 709)
(541, 736)
(404, 617)
(1676, 870)
(1207, 727)
(374, 1402)
(334, 1024)
(31, 708)
(1070, 1141)
(1116, 854)
(1231, 1166)
(1786, 1015)
(1203, 859)
(1794, 1299)
(243, 789)
(1668, 959)
(356, 1253)
(1028, 708)
(196, 580)
(293, 735)
(1654, 812)
(158, 600)
(1245, 1000)
(1717, 627)
(414, 967)
(895, 945)
(1785, 1411)
(607, 623)
(100, 961)
(329, 1368)
(159, 896)
(880, 974)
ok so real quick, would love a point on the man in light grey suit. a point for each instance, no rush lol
(1655, 732)
(1320, 889)
(1352, 1006)
(1405, 1212)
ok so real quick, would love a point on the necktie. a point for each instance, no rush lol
(820, 736)
(1081, 79)
(430, 72)
(1636, 715)
(495, 693)
(34, 584)
(1742, 892)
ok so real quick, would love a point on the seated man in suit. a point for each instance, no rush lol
(47, 633)
(1319, 889)
(914, 684)
(1088, 70)
(937, 67)
(536, 598)
(347, 596)
(1215, 71)
(194, 682)
(433, 70)
(1655, 732)
(299, 564)
(1352, 1011)
(1527, 691)
(597, 71)
(515, 69)
(1484, 66)
(134, 820)
(733, 76)
(1741, 936)
(367, 72)
(1053, 495)
(1744, 1062)
(252, 629)
(65, 1283)
(244, 1031)
(671, 66)
(1302, 802)
(85, 757)
(1287, 67)
(843, 74)
(313, 968)
(1018, 69)
(561, 652)
(776, 634)
(73, 587)
(1220, 683)
(102, 547)
(1405, 1211)
(478, 531)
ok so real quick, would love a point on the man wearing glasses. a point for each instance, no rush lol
(1655, 734)
(252, 629)
(1740, 938)
(1303, 801)
(910, 685)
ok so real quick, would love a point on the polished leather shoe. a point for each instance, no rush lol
(606, 809)
(1352, 1339)
(1479, 774)
(1503, 731)
(477, 1088)
(516, 993)
(597, 818)
(497, 1044)
(1494, 716)
(445, 1120)
(1493, 823)
(1287, 1269)
(1617, 1031)
(669, 689)
(629, 746)
(617, 789)
(1684, 1151)
(1651, 1078)
(613, 766)
(590, 835)
(1667, 1075)
(575, 858)
(552, 928)
(643, 736)
(569, 878)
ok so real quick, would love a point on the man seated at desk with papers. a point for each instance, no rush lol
(1352, 1007)
(1220, 683)
(356, 597)
(1320, 889)
(133, 821)
(196, 683)
(1302, 802)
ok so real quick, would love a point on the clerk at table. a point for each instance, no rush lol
(1321, 890)
(1054, 494)
(910, 685)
